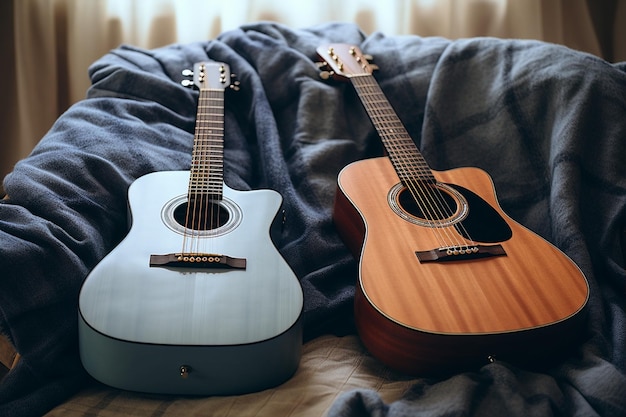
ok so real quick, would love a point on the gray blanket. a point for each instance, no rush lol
(546, 122)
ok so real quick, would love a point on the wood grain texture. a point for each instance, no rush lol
(419, 317)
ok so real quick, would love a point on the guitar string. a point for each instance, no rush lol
(194, 172)
(205, 208)
(198, 172)
(428, 190)
(416, 174)
(369, 95)
(418, 179)
(439, 208)
(202, 213)
(202, 198)
(215, 151)
(213, 179)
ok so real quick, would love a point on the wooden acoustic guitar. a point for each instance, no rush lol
(447, 280)
(196, 299)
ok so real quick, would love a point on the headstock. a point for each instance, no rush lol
(210, 75)
(344, 61)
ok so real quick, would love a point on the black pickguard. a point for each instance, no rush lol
(482, 223)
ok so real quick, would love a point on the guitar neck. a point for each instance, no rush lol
(207, 160)
(402, 151)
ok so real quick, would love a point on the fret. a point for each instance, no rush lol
(402, 151)
(207, 171)
(210, 129)
(209, 148)
(207, 166)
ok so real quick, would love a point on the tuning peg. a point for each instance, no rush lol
(187, 73)
(235, 86)
(321, 64)
(324, 75)
(374, 67)
(368, 57)
(187, 83)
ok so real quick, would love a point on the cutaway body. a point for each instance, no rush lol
(429, 316)
(192, 330)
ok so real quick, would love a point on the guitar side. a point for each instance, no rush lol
(430, 317)
(167, 329)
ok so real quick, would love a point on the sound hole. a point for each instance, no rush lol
(206, 216)
(436, 205)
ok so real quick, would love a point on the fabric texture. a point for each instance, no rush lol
(330, 365)
(544, 121)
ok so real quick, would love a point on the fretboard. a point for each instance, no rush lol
(402, 151)
(207, 160)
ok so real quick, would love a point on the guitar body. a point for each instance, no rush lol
(431, 316)
(199, 331)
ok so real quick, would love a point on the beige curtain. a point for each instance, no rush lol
(47, 45)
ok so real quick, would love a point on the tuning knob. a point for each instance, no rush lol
(324, 75)
(187, 73)
(187, 83)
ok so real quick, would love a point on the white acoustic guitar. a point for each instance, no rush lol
(196, 299)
